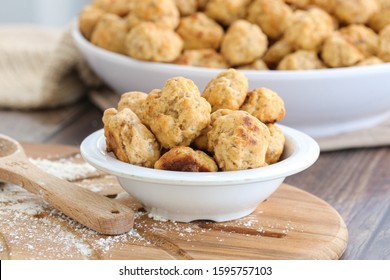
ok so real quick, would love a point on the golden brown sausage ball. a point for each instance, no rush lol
(362, 37)
(272, 16)
(243, 43)
(198, 31)
(308, 29)
(327, 5)
(276, 52)
(276, 144)
(110, 33)
(384, 44)
(373, 60)
(301, 60)
(339, 52)
(129, 139)
(355, 11)
(227, 11)
(88, 19)
(227, 90)
(118, 7)
(147, 41)
(177, 113)
(163, 13)
(187, 7)
(201, 4)
(380, 19)
(384, 4)
(299, 3)
(264, 104)
(258, 64)
(183, 158)
(239, 141)
(209, 58)
(133, 100)
(201, 141)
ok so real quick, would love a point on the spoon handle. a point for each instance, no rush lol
(91, 209)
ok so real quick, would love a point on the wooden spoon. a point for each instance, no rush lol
(91, 209)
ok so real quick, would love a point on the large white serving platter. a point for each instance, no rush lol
(318, 102)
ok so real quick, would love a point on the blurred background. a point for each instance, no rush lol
(55, 13)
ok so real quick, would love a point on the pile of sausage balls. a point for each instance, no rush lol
(225, 128)
(243, 34)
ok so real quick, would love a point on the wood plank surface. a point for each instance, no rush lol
(291, 224)
(66, 125)
(357, 183)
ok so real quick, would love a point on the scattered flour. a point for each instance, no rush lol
(63, 168)
(249, 223)
(157, 217)
(24, 217)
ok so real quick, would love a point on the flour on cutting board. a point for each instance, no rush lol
(44, 232)
(63, 168)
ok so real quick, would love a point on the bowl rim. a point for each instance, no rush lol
(250, 74)
(305, 152)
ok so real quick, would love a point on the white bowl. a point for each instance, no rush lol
(189, 196)
(318, 102)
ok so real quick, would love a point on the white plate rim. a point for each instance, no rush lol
(306, 152)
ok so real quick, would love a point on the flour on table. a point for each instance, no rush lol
(63, 168)
(30, 227)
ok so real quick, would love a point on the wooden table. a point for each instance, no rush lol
(355, 182)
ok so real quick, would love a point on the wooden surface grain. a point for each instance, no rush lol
(355, 182)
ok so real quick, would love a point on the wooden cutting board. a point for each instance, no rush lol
(291, 224)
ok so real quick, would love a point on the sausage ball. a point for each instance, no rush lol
(183, 158)
(276, 144)
(339, 52)
(163, 13)
(355, 11)
(201, 4)
(327, 5)
(362, 37)
(301, 60)
(308, 29)
(243, 43)
(147, 41)
(133, 100)
(373, 60)
(177, 113)
(187, 7)
(299, 3)
(258, 64)
(227, 90)
(384, 4)
(264, 104)
(239, 141)
(380, 19)
(201, 141)
(227, 11)
(118, 7)
(198, 31)
(129, 139)
(88, 19)
(384, 44)
(110, 33)
(272, 16)
(209, 58)
(276, 52)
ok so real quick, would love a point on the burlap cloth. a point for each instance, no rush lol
(42, 68)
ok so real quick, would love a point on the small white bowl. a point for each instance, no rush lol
(189, 196)
(318, 102)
